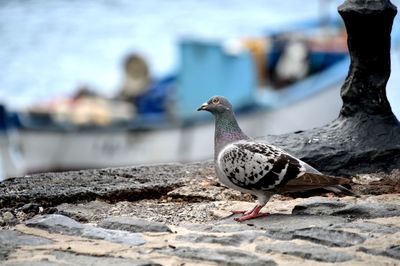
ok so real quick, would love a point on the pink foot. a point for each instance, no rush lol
(250, 214)
(246, 212)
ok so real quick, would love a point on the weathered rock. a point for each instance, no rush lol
(83, 212)
(226, 240)
(131, 183)
(277, 226)
(63, 258)
(61, 224)
(370, 210)
(377, 183)
(43, 262)
(216, 228)
(284, 222)
(30, 208)
(392, 251)
(367, 227)
(207, 190)
(220, 256)
(328, 237)
(9, 218)
(10, 240)
(132, 224)
(318, 206)
(172, 213)
(332, 238)
(232, 239)
(312, 252)
(323, 236)
(81, 259)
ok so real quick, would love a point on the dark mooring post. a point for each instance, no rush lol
(368, 25)
(366, 135)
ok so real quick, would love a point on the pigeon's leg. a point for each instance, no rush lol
(255, 212)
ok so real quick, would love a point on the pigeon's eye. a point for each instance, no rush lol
(215, 100)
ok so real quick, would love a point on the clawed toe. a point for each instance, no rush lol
(250, 216)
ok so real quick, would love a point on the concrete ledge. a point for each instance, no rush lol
(111, 185)
(177, 214)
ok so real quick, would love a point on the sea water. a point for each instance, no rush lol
(49, 48)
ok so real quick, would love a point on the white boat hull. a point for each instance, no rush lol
(58, 150)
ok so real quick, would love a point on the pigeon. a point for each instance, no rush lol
(258, 168)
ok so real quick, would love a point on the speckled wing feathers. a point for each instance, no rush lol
(258, 166)
(312, 180)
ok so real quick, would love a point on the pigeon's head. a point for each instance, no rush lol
(216, 105)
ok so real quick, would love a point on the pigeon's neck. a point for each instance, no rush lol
(227, 131)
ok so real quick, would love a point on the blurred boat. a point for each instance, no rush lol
(168, 129)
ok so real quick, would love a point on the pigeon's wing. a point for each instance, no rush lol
(258, 166)
(312, 180)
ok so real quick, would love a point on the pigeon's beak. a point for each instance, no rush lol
(203, 107)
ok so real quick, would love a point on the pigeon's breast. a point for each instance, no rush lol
(224, 179)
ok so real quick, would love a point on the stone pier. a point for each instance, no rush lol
(179, 214)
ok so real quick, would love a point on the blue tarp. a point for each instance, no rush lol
(207, 69)
(156, 99)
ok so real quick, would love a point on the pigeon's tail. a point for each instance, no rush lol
(342, 190)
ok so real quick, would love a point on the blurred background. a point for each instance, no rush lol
(88, 84)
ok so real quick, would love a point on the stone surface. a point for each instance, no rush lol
(392, 251)
(112, 185)
(82, 259)
(344, 147)
(69, 258)
(284, 222)
(9, 218)
(305, 251)
(220, 256)
(333, 207)
(61, 224)
(332, 238)
(206, 189)
(134, 225)
(43, 262)
(83, 212)
(281, 237)
(10, 240)
(226, 240)
(368, 227)
(63, 190)
(29, 208)
(323, 236)
(174, 181)
(331, 229)
(162, 211)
